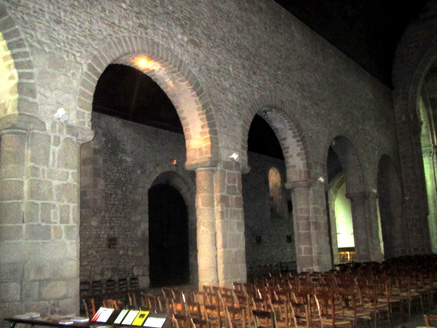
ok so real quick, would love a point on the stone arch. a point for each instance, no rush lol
(175, 79)
(181, 181)
(350, 163)
(363, 225)
(291, 139)
(391, 211)
(415, 55)
(413, 58)
(17, 78)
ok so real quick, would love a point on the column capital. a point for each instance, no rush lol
(358, 195)
(80, 133)
(21, 122)
(303, 184)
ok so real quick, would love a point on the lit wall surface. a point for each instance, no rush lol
(343, 218)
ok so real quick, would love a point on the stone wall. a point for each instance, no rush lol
(118, 168)
(260, 220)
(220, 62)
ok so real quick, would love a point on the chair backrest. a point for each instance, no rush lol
(430, 320)
(89, 306)
(134, 283)
(110, 286)
(149, 302)
(96, 287)
(122, 285)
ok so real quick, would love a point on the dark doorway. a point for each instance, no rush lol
(168, 237)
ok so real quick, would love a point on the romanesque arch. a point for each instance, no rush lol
(174, 78)
(17, 78)
(289, 134)
(355, 191)
(415, 55)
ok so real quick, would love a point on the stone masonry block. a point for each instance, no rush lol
(37, 270)
(67, 193)
(54, 290)
(11, 232)
(70, 232)
(64, 270)
(12, 251)
(11, 213)
(11, 272)
(40, 190)
(11, 190)
(31, 214)
(10, 292)
(31, 291)
(38, 232)
(39, 147)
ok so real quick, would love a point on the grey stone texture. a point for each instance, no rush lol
(220, 62)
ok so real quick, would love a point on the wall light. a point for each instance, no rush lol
(61, 114)
(235, 157)
(321, 179)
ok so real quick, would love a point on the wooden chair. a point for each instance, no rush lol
(352, 308)
(430, 320)
(369, 298)
(122, 285)
(89, 306)
(149, 302)
(300, 315)
(263, 319)
(234, 314)
(327, 313)
(407, 293)
(110, 287)
(134, 283)
(132, 298)
(112, 304)
(96, 287)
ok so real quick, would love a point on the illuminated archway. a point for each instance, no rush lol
(175, 79)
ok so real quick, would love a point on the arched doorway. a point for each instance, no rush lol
(168, 237)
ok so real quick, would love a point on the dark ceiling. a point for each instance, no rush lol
(365, 30)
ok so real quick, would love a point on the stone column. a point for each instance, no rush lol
(231, 255)
(206, 234)
(39, 200)
(362, 226)
(12, 225)
(300, 195)
(375, 235)
(313, 252)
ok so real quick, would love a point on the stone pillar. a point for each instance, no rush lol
(206, 234)
(375, 235)
(39, 199)
(362, 226)
(313, 252)
(231, 255)
(12, 223)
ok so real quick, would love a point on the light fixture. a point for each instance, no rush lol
(321, 179)
(61, 114)
(235, 157)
